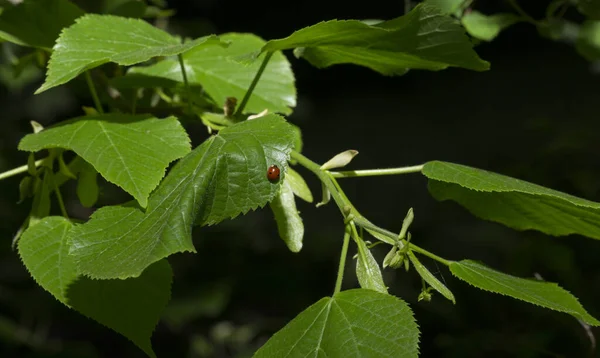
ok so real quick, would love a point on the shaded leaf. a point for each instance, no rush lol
(222, 76)
(353, 323)
(588, 40)
(448, 7)
(367, 269)
(429, 278)
(220, 179)
(590, 8)
(37, 23)
(485, 27)
(131, 151)
(422, 39)
(125, 8)
(515, 203)
(541, 293)
(97, 39)
(87, 185)
(289, 222)
(130, 307)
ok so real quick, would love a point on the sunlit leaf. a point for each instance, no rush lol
(355, 323)
(222, 76)
(220, 179)
(131, 151)
(515, 203)
(541, 293)
(130, 307)
(97, 39)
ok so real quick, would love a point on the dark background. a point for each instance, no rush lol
(533, 116)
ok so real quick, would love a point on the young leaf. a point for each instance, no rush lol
(298, 185)
(421, 39)
(367, 269)
(485, 27)
(131, 307)
(97, 39)
(429, 278)
(221, 76)
(87, 185)
(289, 222)
(512, 202)
(37, 23)
(131, 151)
(220, 179)
(545, 294)
(354, 323)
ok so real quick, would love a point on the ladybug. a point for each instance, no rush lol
(273, 173)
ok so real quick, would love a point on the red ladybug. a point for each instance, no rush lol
(273, 173)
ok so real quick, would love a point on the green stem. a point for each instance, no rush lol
(523, 14)
(261, 69)
(424, 252)
(19, 170)
(342, 265)
(377, 172)
(185, 81)
(61, 203)
(92, 88)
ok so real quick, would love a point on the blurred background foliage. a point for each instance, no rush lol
(533, 116)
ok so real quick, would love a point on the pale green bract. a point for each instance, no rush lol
(289, 222)
(130, 307)
(97, 39)
(368, 272)
(354, 323)
(430, 278)
(222, 75)
(544, 294)
(422, 39)
(131, 151)
(220, 179)
(515, 203)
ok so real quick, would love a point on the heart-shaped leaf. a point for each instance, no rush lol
(222, 75)
(130, 307)
(354, 323)
(131, 151)
(222, 178)
(97, 39)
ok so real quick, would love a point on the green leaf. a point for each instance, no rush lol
(130, 307)
(221, 76)
(447, 7)
(429, 278)
(541, 293)
(590, 8)
(353, 323)
(588, 40)
(289, 222)
(97, 39)
(367, 269)
(299, 186)
(222, 178)
(421, 39)
(485, 27)
(37, 23)
(87, 185)
(512, 202)
(131, 151)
